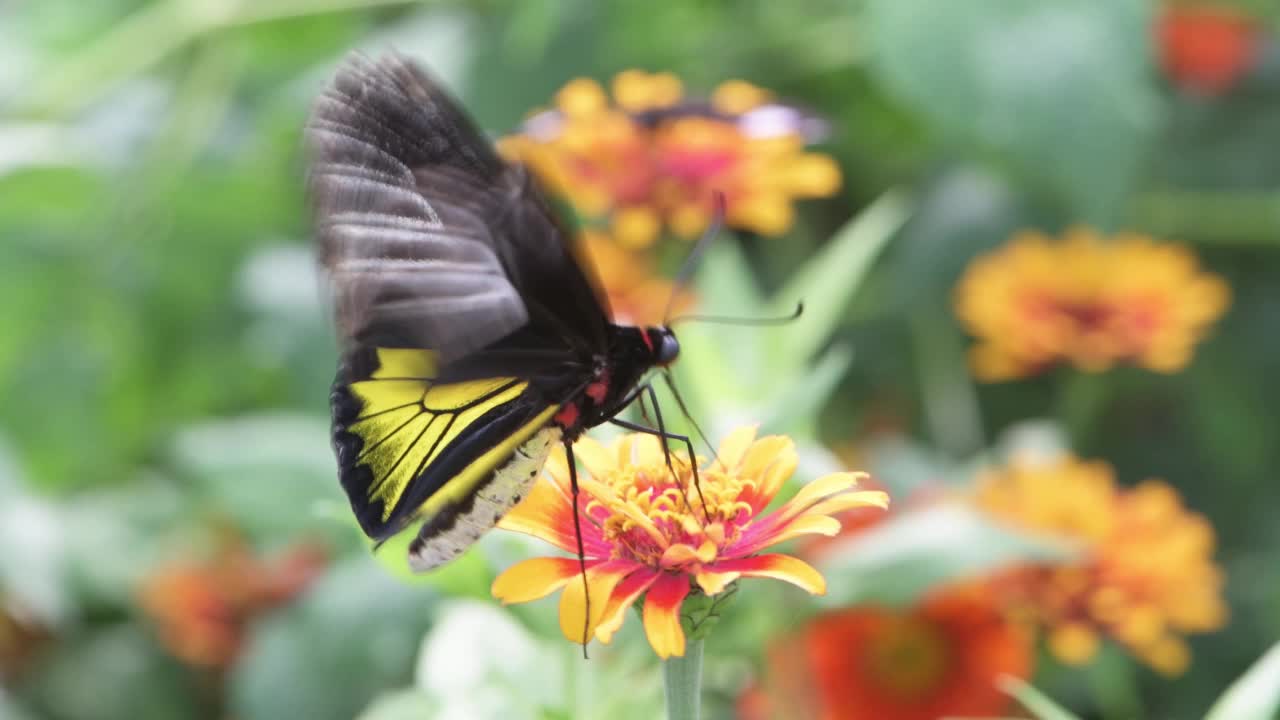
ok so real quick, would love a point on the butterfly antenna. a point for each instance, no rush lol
(691, 263)
(753, 322)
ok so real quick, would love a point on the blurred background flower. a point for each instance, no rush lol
(1147, 574)
(941, 658)
(203, 609)
(648, 159)
(1088, 301)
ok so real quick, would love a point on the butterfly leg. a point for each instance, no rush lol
(577, 531)
(662, 433)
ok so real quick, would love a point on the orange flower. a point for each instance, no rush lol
(1206, 47)
(1086, 301)
(647, 533)
(650, 160)
(203, 608)
(938, 659)
(1147, 576)
(637, 294)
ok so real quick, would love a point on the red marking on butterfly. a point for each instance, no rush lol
(599, 389)
(567, 417)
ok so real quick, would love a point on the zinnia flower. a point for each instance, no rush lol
(650, 159)
(1086, 301)
(203, 609)
(647, 533)
(940, 658)
(1206, 47)
(1147, 575)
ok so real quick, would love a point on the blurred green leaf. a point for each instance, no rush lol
(116, 673)
(1039, 704)
(1062, 89)
(1256, 695)
(897, 560)
(831, 277)
(354, 634)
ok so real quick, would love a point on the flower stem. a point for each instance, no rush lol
(682, 677)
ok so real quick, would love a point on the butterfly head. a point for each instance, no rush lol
(662, 342)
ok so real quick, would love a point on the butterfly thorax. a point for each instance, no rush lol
(632, 352)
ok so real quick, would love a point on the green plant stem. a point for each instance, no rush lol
(682, 680)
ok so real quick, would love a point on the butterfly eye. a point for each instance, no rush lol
(666, 347)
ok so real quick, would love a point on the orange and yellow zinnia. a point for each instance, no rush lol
(649, 160)
(649, 532)
(1146, 574)
(1086, 300)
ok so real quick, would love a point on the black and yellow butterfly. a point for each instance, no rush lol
(474, 342)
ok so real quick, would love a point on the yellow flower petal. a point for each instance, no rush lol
(805, 525)
(714, 583)
(636, 228)
(849, 501)
(595, 457)
(779, 567)
(735, 446)
(819, 490)
(581, 97)
(601, 580)
(533, 579)
(1074, 644)
(735, 97)
(813, 175)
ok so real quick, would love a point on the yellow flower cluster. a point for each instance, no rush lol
(1086, 300)
(648, 159)
(1146, 576)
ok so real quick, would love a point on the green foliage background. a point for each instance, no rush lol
(165, 356)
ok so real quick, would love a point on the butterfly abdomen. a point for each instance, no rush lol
(457, 526)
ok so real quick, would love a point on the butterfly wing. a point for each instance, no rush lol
(411, 447)
(465, 316)
(431, 241)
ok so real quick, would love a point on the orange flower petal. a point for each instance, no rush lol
(533, 579)
(662, 615)
(544, 514)
(779, 567)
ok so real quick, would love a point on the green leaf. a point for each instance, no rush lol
(831, 277)
(1255, 695)
(353, 635)
(898, 560)
(1033, 700)
(1062, 90)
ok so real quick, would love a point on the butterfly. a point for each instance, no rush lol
(473, 341)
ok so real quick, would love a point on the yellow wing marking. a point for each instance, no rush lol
(406, 420)
(460, 486)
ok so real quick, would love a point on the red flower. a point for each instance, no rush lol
(939, 659)
(1206, 48)
(202, 609)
